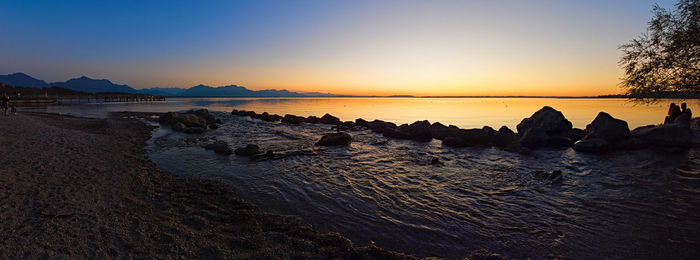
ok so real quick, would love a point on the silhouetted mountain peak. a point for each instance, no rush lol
(21, 79)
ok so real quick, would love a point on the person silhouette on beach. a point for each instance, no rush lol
(686, 110)
(5, 103)
(673, 112)
(684, 117)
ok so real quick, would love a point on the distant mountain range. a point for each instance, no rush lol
(86, 84)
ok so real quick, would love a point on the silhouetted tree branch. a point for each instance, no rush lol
(667, 57)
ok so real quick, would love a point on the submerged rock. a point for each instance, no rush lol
(219, 147)
(248, 150)
(335, 139)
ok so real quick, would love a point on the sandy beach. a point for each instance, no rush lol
(81, 188)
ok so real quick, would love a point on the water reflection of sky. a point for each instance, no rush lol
(463, 112)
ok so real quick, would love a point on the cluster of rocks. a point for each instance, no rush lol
(295, 120)
(546, 128)
(606, 133)
(191, 122)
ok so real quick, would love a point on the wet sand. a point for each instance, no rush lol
(81, 188)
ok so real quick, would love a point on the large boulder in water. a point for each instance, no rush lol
(248, 150)
(546, 119)
(219, 147)
(545, 128)
(670, 135)
(395, 133)
(334, 139)
(330, 120)
(606, 127)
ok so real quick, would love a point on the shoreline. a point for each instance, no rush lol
(81, 187)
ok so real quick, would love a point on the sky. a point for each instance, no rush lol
(434, 48)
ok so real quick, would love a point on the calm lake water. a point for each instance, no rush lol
(622, 205)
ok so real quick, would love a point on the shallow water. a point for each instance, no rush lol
(642, 204)
(462, 112)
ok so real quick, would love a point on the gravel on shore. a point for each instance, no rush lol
(80, 188)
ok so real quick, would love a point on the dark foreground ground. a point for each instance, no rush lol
(81, 188)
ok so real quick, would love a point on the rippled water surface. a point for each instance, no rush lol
(642, 204)
(624, 205)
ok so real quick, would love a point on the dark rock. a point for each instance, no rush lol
(553, 176)
(347, 125)
(248, 150)
(418, 131)
(440, 131)
(592, 145)
(609, 128)
(504, 137)
(335, 139)
(270, 153)
(204, 114)
(546, 119)
(239, 112)
(194, 130)
(168, 118)
(671, 135)
(251, 114)
(378, 126)
(192, 120)
(574, 134)
(330, 120)
(695, 124)
(214, 125)
(632, 143)
(313, 120)
(267, 117)
(292, 119)
(534, 138)
(361, 122)
(469, 137)
(219, 147)
(177, 126)
(559, 141)
(435, 161)
(395, 133)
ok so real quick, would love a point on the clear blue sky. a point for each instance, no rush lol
(351, 47)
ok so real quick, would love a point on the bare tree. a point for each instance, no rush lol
(665, 59)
